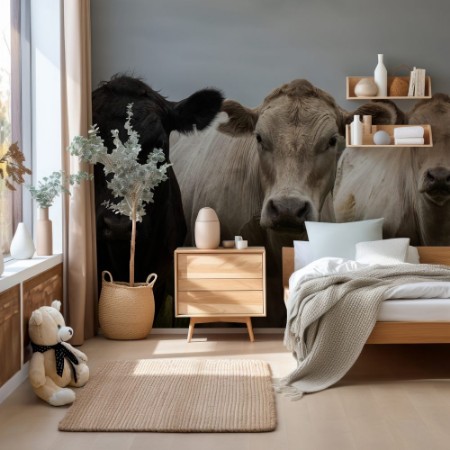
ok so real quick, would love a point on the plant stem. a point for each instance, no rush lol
(133, 241)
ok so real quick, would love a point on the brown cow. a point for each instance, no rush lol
(275, 172)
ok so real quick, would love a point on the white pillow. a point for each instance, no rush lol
(339, 239)
(412, 255)
(385, 252)
(302, 254)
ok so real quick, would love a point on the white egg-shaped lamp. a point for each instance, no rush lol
(207, 229)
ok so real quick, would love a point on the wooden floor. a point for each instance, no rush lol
(395, 397)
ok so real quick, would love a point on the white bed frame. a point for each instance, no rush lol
(395, 332)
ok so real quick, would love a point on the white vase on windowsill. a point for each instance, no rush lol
(22, 246)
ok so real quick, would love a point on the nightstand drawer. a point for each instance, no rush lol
(220, 266)
(220, 284)
(220, 303)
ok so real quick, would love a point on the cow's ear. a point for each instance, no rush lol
(241, 120)
(199, 109)
(383, 112)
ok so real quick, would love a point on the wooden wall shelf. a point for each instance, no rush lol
(351, 83)
(368, 138)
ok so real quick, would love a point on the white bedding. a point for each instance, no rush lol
(412, 302)
(420, 310)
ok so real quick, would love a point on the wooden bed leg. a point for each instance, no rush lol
(248, 321)
(191, 329)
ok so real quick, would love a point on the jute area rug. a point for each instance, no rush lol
(175, 395)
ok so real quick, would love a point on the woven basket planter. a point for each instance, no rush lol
(126, 312)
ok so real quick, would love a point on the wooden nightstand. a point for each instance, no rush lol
(220, 285)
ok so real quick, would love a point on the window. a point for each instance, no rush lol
(10, 114)
(6, 197)
(30, 96)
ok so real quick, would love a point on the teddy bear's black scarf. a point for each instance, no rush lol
(61, 352)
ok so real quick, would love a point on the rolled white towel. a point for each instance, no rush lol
(409, 141)
(408, 132)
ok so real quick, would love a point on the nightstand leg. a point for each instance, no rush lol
(191, 329)
(248, 321)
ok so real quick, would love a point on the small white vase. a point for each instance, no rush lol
(356, 131)
(207, 229)
(22, 246)
(44, 234)
(380, 77)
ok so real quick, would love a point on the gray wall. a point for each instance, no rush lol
(248, 47)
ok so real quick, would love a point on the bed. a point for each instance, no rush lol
(396, 332)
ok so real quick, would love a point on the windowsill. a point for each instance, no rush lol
(18, 270)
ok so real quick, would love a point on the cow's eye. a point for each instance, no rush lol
(258, 138)
(332, 141)
(59, 326)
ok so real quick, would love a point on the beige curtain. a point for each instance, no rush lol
(79, 219)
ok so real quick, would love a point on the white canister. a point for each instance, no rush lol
(241, 245)
(207, 229)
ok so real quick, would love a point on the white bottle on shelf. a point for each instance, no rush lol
(380, 77)
(356, 131)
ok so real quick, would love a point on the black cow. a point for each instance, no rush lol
(163, 228)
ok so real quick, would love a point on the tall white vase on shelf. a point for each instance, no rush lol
(356, 131)
(380, 77)
(22, 246)
(44, 234)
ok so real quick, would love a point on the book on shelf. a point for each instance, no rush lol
(420, 83)
(412, 83)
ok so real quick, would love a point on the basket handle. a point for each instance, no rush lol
(152, 282)
(105, 272)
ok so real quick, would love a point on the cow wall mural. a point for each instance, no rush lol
(268, 169)
(163, 228)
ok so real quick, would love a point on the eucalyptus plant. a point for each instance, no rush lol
(53, 185)
(132, 183)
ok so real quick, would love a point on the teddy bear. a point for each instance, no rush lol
(54, 364)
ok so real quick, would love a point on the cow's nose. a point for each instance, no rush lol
(288, 211)
(438, 177)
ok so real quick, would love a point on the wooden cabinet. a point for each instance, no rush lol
(221, 285)
(39, 291)
(10, 347)
(25, 286)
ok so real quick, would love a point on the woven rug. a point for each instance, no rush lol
(175, 395)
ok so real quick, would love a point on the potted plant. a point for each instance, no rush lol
(126, 309)
(44, 194)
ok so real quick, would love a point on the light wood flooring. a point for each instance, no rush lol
(395, 397)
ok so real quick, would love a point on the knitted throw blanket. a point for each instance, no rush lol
(332, 317)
